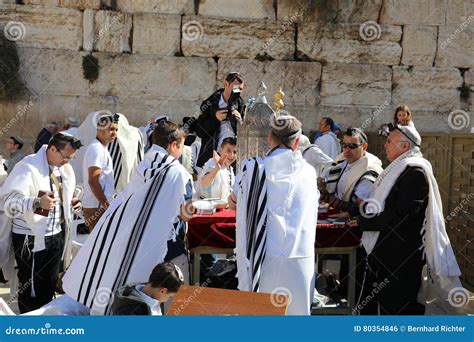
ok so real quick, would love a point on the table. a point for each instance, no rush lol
(199, 300)
(215, 234)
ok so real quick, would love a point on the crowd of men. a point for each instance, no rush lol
(137, 189)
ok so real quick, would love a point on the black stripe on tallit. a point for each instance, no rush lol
(92, 253)
(151, 165)
(118, 171)
(104, 263)
(137, 232)
(250, 212)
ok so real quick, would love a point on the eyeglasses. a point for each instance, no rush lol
(68, 158)
(352, 146)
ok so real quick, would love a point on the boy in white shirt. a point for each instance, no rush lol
(217, 176)
(99, 183)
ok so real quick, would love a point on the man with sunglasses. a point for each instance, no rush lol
(38, 196)
(220, 114)
(404, 228)
(350, 180)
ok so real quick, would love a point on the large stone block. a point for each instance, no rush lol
(353, 84)
(156, 33)
(147, 76)
(458, 10)
(88, 30)
(209, 37)
(428, 89)
(50, 3)
(419, 45)
(350, 43)
(409, 12)
(112, 31)
(456, 45)
(469, 81)
(298, 80)
(52, 71)
(343, 11)
(42, 27)
(248, 9)
(154, 6)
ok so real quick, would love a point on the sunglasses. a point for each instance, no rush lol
(352, 146)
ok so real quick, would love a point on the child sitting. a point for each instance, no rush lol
(145, 299)
(217, 176)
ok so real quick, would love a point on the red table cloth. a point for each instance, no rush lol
(218, 230)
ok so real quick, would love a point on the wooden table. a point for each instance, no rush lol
(200, 300)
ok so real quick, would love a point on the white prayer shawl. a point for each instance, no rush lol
(7, 256)
(290, 227)
(437, 247)
(329, 144)
(368, 162)
(317, 159)
(126, 151)
(31, 175)
(251, 231)
(131, 236)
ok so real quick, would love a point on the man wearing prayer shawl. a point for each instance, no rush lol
(277, 200)
(404, 228)
(131, 237)
(37, 196)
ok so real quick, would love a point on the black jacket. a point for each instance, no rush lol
(207, 126)
(127, 301)
(42, 139)
(401, 221)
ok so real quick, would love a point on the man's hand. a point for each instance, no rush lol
(352, 223)
(221, 114)
(237, 115)
(104, 205)
(47, 201)
(76, 205)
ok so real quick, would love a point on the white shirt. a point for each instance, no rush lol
(362, 190)
(222, 184)
(153, 304)
(329, 144)
(226, 130)
(97, 155)
(317, 159)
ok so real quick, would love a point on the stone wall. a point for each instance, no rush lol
(353, 60)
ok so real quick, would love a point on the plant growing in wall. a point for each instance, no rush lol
(11, 85)
(90, 68)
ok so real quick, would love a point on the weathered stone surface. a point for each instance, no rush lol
(88, 30)
(154, 6)
(80, 4)
(43, 27)
(430, 89)
(209, 37)
(299, 80)
(147, 76)
(344, 43)
(51, 3)
(458, 10)
(456, 46)
(112, 31)
(409, 12)
(352, 84)
(156, 33)
(52, 72)
(248, 9)
(344, 11)
(419, 45)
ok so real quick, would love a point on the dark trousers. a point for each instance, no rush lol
(392, 288)
(37, 271)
